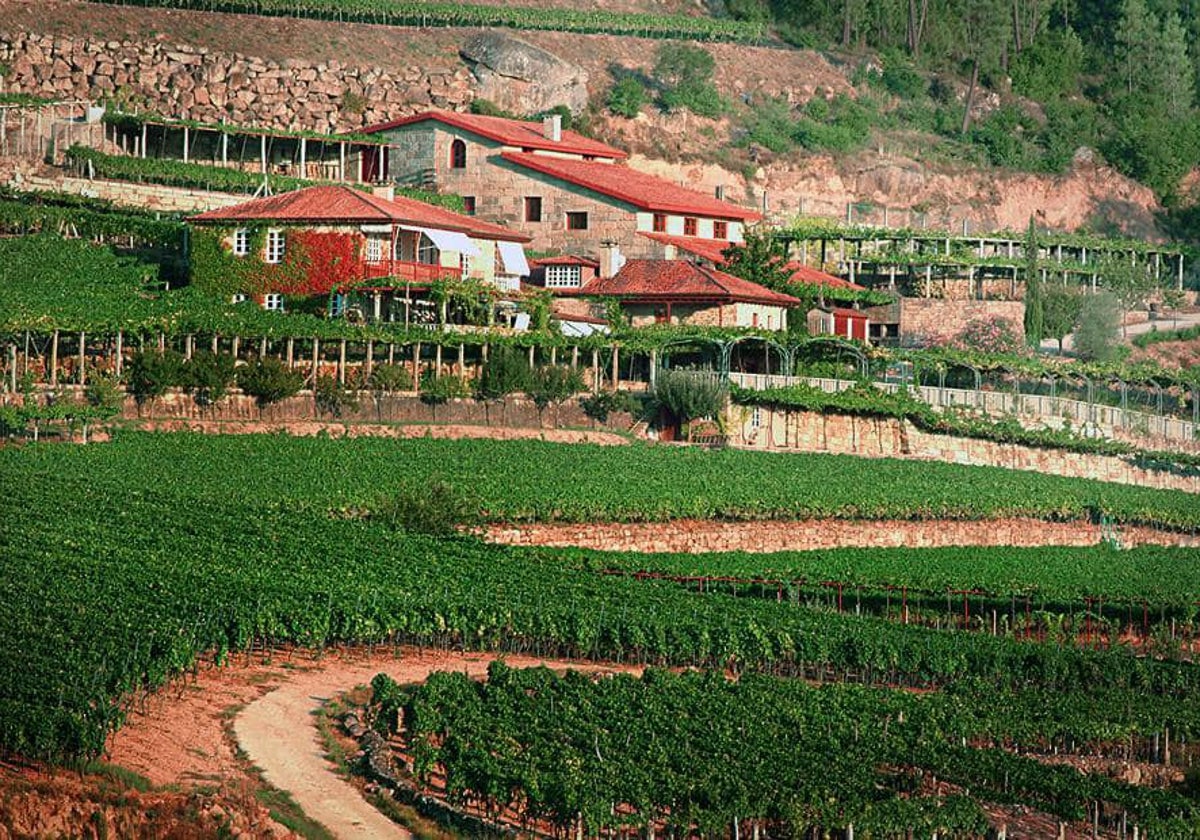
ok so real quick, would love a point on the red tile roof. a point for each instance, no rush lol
(680, 280)
(342, 205)
(815, 277)
(519, 133)
(566, 259)
(709, 249)
(647, 192)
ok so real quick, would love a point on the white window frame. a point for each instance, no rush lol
(374, 249)
(464, 265)
(241, 242)
(276, 247)
(237, 297)
(563, 276)
(273, 302)
(756, 418)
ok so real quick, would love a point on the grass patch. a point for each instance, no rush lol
(287, 813)
(125, 778)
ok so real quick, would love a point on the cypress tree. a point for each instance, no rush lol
(1033, 289)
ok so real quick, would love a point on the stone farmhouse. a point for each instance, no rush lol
(568, 192)
(677, 292)
(374, 256)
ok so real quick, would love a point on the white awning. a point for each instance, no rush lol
(448, 240)
(513, 257)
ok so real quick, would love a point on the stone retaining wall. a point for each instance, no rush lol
(148, 196)
(805, 431)
(695, 537)
(207, 85)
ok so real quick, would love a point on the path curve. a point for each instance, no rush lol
(278, 733)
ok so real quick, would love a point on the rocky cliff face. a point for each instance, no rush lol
(875, 186)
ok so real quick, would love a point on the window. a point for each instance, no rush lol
(241, 242)
(464, 264)
(275, 246)
(374, 249)
(237, 297)
(690, 226)
(720, 230)
(660, 222)
(427, 252)
(562, 276)
(533, 208)
(273, 302)
(577, 221)
(458, 155)
(468, 205)
(756, 418)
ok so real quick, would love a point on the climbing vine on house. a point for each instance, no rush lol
(313, 263)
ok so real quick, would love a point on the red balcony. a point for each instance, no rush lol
(409, 272)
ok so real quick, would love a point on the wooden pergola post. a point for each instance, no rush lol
(370, 363)
(54, 360)
(616, 374)
(82, 376)
(119, 362)
(316, 360)
(437, 361)
(595, 371)
(341, 373)
(291, 350)
(416, 365)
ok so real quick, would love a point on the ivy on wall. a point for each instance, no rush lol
(313, 263)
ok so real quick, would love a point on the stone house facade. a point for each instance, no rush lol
(568, 192)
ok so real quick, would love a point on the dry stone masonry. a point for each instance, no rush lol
(209, 86)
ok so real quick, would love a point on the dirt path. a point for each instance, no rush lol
(279, 735)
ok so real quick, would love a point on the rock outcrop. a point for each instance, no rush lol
(522, 78)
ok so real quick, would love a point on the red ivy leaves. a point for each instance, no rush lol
(314, 263)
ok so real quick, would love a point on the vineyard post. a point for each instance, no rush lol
(316, 359)
(416, 365)
(216, 343)
(291, 350)
(12, 367)
(616, 374)
(531, 362)
(595, 370)
(54, 360)
(262, 347)
(574, 356)
(553, 356)
(119, 363)
(237, 340)
(462, 360)
(369, 364)
(82, 357)
(437, 361)
(187, 346)
(391, 352)
(341, 371)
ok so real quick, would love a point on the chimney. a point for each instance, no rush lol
(610, 259)
(384, 191)
(552, 128)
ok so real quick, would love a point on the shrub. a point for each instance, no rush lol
(599, 406)
(689, 394)
(684, 75)
(438, 509)
(506, 372)
(989, 334)
(436, 390)
(769, 123)
(626, 97)
(1096, 332)
(104, 393)
(388, 379)
(151, 372)
(332, 397)
(207, 376)
(553, 384)
(269, 380)
(904, 81)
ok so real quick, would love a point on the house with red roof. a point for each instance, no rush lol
(568, 192)
(685, 292)
(376, 252)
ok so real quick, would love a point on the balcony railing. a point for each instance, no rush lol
(402, 271)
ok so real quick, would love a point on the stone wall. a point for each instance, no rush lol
(514, 412)
(925, 317)
(205, 85)
(149, 196)
(693, 537)
(803, 431)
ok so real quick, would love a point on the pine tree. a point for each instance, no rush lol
(1136, 46)
(1174, 70)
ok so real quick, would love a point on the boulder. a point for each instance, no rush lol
(522, 78)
